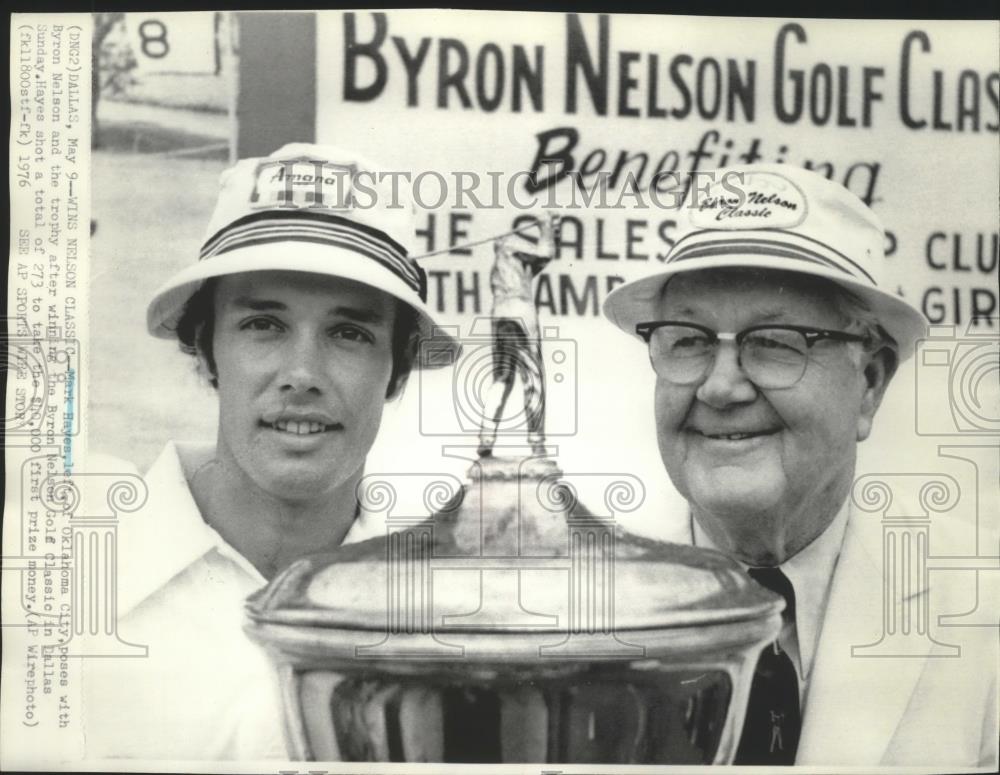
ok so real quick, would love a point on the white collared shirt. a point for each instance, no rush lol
(205, 691)
(810, 573)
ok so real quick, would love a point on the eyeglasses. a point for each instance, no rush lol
(772, 357)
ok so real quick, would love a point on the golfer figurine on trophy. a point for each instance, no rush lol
(516, 344)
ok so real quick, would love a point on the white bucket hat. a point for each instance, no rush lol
(310, 208)
(774, 216)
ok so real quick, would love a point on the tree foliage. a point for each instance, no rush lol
(112, 63)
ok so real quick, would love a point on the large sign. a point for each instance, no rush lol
(607, 119)
(521, 110)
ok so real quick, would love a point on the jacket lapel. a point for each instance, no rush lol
(855, 700)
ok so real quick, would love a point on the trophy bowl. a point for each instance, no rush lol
(514, 626)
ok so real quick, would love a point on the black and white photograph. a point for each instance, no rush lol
(515, 391)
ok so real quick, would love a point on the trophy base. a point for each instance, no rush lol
(512, 467)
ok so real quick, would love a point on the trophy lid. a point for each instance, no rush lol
(514, 551)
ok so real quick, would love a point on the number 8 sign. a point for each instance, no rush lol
(153, 37)
(175, 42)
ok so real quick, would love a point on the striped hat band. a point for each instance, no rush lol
(702, 244)
(322, 228)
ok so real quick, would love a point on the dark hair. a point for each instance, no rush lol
(196, 329)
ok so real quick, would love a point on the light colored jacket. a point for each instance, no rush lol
(935, 707)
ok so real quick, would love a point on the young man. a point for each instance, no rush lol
(303, 312)
(773, 343)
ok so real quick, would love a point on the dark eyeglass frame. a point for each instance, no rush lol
(810, 334)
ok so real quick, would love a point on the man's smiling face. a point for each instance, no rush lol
(303, 363)
(756, 462)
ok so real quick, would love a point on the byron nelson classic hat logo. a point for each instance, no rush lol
(775, 217)
(749, 200)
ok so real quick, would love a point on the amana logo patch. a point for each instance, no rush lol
(302, 182)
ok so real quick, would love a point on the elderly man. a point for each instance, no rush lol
(773, 344)
(303, 313)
